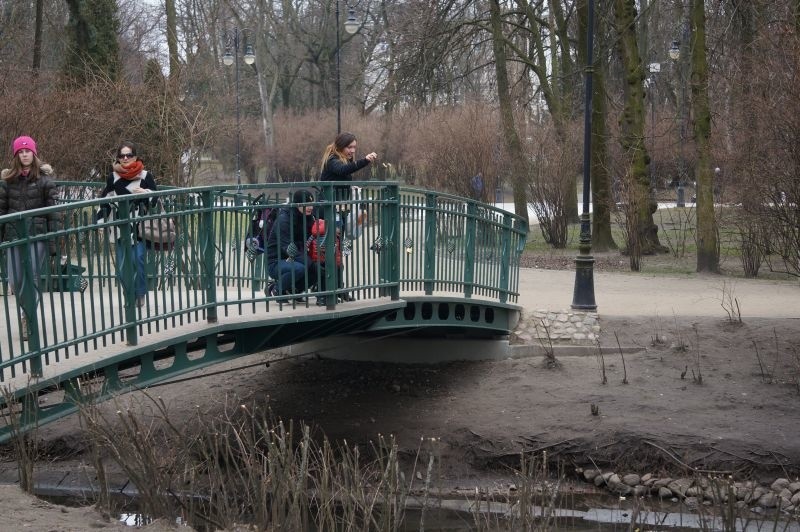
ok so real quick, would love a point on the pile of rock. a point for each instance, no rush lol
(693, 491)
(565, 326)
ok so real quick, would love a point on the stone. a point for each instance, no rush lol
(613, 481)
(758, 492)
(646, 477)
(680, 486)
(662, 482)
(779, 485)
(578, 336)
(795, 499)
(589, 474)
(784, 503)
(631, 479)
(694, 491)
(623, 489)
(785, 493)
(599, 481)
(795, 487)
(664, 493)
(768, 500)
(691, 502)
(741, 505)
(640, 491)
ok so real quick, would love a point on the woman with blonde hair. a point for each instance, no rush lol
(339, 161)
(27, 185)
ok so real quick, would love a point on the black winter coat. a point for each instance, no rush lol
(24, 193)
(117, 186)
(291, 227)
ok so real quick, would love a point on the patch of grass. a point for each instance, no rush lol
(666, 263)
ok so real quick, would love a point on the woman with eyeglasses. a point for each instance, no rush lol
(27, 185)
(128, 176)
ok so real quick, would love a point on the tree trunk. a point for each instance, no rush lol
(37, 37)
(519, 165)
(707, 240)
(601, 179)
(632, 126)
(172, 39)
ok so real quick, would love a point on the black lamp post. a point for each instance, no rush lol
(350, 26)
(230, 58)
(583, 295)
(654, 69)
(675, 55)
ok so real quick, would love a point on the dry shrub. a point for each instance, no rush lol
(770, 163)
(244, 466)
(79, 127)
(555, 165)
(451, 145)
(631, 200)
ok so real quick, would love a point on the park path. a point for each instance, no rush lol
(629, 294)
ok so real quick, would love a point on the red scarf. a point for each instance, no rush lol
(130, 171)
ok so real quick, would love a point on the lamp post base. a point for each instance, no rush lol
(583, 295)
(681, 196)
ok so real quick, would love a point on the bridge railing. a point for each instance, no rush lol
(408, 241)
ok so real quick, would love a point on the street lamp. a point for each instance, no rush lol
(351, 26)
(230, 58)
(675, 55)
(583, 295)
(654, 69)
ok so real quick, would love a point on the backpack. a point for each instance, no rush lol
(262, 221)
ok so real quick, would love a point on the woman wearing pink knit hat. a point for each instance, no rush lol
(27, 185)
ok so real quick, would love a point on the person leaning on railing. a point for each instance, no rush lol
(286, 247)
(128, 176)
(339, 163)
(27, 185)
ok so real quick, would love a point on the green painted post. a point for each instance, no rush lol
(429, 260)
(331, 271)
(469, 248)
(392, 210)
(505, 257)
(205, 232)
(29, 294)
(128, 269)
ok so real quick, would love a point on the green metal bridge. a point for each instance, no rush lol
(425, 263)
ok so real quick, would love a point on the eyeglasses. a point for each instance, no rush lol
(126, 155)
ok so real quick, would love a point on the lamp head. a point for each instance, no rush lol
(675, 51)
(249, 55)
(228, 57)
(351, 24)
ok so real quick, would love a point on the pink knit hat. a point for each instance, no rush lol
(24, 143)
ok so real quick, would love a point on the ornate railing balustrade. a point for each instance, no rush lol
(411, 242)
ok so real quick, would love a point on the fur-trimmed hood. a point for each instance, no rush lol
(46, 169)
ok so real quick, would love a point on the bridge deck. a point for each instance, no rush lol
(236, 312)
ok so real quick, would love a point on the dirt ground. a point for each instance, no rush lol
(703, 392)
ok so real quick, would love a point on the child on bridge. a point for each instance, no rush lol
(316, 246)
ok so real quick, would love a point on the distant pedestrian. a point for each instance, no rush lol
(476, 186)
(27, 185)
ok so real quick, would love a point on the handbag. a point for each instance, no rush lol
(357, 217)
(158, 233)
